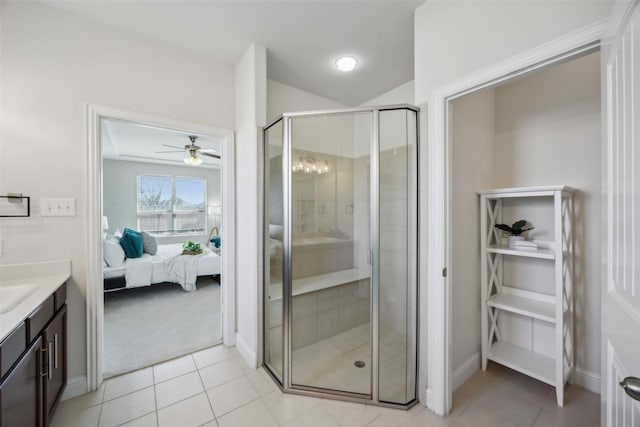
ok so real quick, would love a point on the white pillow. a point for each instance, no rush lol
(113, 253)
(149, 243)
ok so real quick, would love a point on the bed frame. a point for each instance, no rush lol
(119, 283)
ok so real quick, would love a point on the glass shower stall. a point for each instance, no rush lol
(340, 253)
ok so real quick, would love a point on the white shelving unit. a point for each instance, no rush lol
(498, 298)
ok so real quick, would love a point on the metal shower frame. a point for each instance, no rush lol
(286, 385)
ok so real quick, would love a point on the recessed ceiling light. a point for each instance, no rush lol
(346, 63)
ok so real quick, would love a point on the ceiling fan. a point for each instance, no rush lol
(192, 151)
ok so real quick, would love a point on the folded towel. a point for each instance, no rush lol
(525, 245)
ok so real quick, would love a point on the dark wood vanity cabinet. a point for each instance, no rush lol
(21, 391)
(33, 381)
(54, 338)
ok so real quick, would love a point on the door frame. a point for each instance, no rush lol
(439, 246)
(94, 188)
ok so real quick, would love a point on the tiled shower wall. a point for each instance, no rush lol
(322, 314)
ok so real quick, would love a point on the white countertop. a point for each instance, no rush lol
(47, 277)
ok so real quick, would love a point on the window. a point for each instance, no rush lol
(169, 205)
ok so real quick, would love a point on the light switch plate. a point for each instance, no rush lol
(58, 207)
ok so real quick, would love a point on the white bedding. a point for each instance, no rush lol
(138, 271)
(182, 269)
(149, 269)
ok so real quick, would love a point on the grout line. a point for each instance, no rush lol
(173, 378)
(215, 363)
(127, 393)
(155, 394)
(372, 420)
(215, 417)
(137, 418)
(537, 416)
(99, 415)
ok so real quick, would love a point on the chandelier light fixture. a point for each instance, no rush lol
(310, 166)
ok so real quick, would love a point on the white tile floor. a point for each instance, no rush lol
(214, 387)
(329, 363)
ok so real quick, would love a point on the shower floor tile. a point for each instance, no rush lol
(330, 363)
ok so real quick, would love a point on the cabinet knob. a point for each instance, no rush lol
(631, 386)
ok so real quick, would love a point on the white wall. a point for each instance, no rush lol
(403, 94)
(456, 38)
(250, 96)
(282, 98)
(473, 166)
(311, 135)
(546, 131)
(120, 184)
(53, 64)
(453, 39)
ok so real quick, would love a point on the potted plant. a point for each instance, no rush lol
(191, 248)
(515, 231)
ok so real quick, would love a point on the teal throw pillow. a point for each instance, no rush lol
(131, 242)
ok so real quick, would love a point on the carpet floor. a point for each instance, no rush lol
(144, 326)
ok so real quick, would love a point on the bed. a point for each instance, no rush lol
(168, 265)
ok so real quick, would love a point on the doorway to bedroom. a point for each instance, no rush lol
(162, 240)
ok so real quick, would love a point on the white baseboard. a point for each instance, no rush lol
(246, 352)
(76, 386)
(586, 379)
(465, 371)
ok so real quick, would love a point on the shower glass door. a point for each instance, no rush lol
(330, 186)
(273, 252)
(397, 227)
(340, 253)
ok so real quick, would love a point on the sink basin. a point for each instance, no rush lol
(10, 296)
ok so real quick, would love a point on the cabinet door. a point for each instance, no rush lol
(55, 338)
(21, 391)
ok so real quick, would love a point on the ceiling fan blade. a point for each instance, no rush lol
(173, 146)
(215, 156)
(208, 150)
(164, 152)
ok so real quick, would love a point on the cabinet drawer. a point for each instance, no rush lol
(61, 296)
(39, 317)
(12, 347)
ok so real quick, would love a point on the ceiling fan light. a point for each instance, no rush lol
(193, 160)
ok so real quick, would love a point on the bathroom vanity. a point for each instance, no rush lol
(33, 356)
